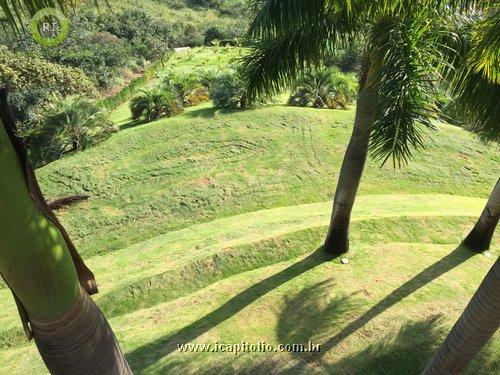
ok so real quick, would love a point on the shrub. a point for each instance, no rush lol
(68, 125)
(155, 104)
(228, 91)
(197, 96)
(21, 71)
(326, 88)
(188, 88)
(211, 34)
(348, 60)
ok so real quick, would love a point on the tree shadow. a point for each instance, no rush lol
(450, 261)
(203, 112)
(406, 353)
(409, 352)
(308, 314)
(144, 356)
(133, 124)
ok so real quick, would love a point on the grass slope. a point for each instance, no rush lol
(205, 164)
(207, 228)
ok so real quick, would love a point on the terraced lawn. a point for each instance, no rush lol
(207, 228)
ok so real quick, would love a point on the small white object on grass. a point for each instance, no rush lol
(344, 261)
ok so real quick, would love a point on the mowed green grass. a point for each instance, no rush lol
(207, 227)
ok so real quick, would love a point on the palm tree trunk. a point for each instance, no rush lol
(337, 240)
(48, 278)
(477, 324)
(479, 239)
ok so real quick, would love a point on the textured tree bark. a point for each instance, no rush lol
(477, 324)
(48, 278)
(80, 342)
(337, 240)
(479, 239)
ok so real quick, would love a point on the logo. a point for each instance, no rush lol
(49, 27)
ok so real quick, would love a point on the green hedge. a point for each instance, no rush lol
(129, 91)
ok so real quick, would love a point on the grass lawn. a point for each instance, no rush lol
(207, 227)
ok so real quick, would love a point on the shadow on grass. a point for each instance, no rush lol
(133, 124)
(209, 112)
(204, 112)
(450, 261)
(150, 353)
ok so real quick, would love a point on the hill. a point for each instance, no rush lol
(207, 228)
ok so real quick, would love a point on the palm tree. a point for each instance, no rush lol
(472, 331)
(38, 261)
(476, 82)
(479, 239)
(405, 42)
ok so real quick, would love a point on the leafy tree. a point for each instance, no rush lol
(405, 42)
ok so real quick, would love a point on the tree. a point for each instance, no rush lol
(473, 329)
(475, 86)
(476, 83)
(479, 239)
(403, 56)
(48, 278)
(38, 261)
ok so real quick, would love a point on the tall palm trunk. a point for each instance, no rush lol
(48, 278)
(479, 239)
(474, 328)
(337, 240)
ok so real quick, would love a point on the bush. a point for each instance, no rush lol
(228, 91)
(154, 104)
(211, 34)
(68, 125)
(188, 88)
(324, 89)
(21, 71)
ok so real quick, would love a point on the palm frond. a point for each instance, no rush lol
(17, 12)
(474, 73)
(405, 81)
(289, 36)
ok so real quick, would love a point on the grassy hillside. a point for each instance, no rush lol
(207, 227)
(205, 164)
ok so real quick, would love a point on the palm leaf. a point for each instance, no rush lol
(474, 76)
(405, 84)
(292, 35)
(16, 12)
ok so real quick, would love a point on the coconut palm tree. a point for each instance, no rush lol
(49, 280)
(405, 45)
(476, 82)
(38, 261)
(479, 239)
(473, 330)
